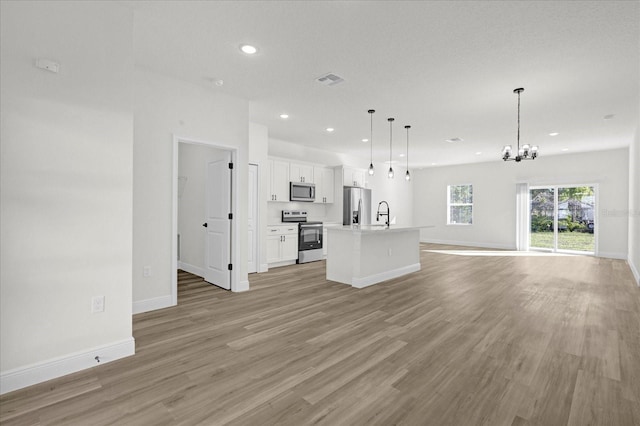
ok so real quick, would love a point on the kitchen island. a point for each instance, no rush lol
(363, 255)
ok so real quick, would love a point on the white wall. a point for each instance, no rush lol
(397, 192)
(165, 107)
(283, 149)
(66, 187)
(258, 154)
(192, 213)
(634, 206)
(494, 197)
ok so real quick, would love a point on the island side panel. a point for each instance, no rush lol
(385, 255)
(340, 256)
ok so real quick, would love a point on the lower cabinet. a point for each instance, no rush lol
(282, 243)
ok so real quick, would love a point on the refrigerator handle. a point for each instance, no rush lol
(360, 211)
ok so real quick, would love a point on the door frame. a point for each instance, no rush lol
(596, 217)
(235, 229)
(256, 202)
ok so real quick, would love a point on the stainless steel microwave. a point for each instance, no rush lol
(301, 191)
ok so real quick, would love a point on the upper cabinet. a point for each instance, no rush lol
(353, 177)
(282, 173)
(324, 180)
(279, 180)
(301, 172)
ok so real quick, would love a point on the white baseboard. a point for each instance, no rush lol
(152, 304)
(383, 276)
(283, 263)
(243, 286)
(263, 268)
(634, 271)
(192, 269)
(612, 255)
(469, 244)
(57, 367)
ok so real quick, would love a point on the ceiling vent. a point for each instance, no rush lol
(329, 79)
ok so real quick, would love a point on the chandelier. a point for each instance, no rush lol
(527, 152)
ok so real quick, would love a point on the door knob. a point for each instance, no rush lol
(205, 224)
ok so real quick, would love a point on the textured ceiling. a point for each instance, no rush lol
(446, 68)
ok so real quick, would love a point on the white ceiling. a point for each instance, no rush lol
(448, 69)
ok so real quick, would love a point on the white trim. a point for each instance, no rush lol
(612, 255)
(362, 282)
(192, 269)
(258, 222)
(235, 226)
(469, 244)
(174, 222)
(281, 263)
(449, 204)
(263, 267)
(243, 286)
(56, 367)
(147, 305)
(634, 271)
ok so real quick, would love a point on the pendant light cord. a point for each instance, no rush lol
(390, 138)
(518, 123)
(407, 127)
(371, 140)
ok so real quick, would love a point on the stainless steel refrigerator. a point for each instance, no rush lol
(356, 206)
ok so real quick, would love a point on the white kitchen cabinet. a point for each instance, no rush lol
(278, 181)
(353, 177)
(289, 246)
(282, 243)
(301, 172)
(324, 180)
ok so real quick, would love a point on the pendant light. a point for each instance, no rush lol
(407, 176)
(526, 152)
(371, 171)
(390, 120)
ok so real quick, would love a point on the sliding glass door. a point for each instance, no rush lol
(563, 218)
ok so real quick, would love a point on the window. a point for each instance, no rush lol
(459, 204)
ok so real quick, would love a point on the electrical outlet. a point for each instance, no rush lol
(146, 271)
(97, 304)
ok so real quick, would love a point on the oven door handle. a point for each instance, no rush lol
(319, 225)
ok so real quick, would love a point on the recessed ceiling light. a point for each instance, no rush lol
(609, 116)
(554, 134)
(330, 129)
(284, 116)
(565, 149)
(478, 153)
(401, 155)
(452, 140)
(433, 164)
(365, 140)
(248, 49)
(219, 83)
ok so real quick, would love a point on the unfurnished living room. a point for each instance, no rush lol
(320, 212)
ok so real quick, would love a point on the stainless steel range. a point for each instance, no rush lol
(309, 235)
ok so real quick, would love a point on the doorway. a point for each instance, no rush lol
(213, 232)
(563, 218)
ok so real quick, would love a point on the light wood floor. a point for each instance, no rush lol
(468, 340)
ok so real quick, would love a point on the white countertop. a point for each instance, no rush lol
(377, 228)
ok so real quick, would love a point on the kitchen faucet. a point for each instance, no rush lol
(378, 214)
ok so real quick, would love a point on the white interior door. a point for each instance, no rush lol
(253, 218)
(218, 225)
